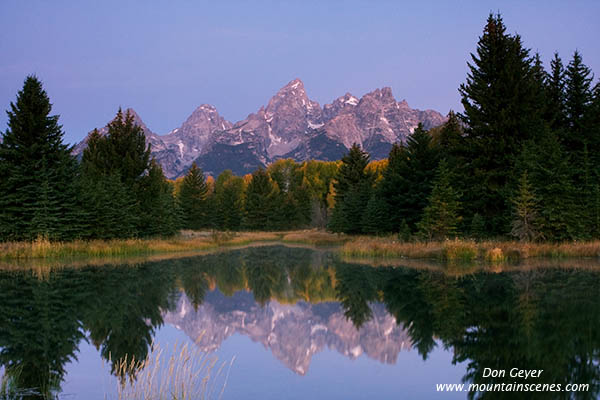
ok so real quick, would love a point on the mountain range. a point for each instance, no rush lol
(290, 126)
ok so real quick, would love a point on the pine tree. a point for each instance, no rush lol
(110, 208)
(478, 227)
(123, 151)
(404, 233)
(595, 213)
(441, 216)
(526, 221)
(550, 173)
(193, 196)
(502, 110)
(123, 154)
(450, 136)
(578, 96)
(408, 179)
(37, 171)
(260, 198)
(376, 215)
(352, 192)
(555, 94)
(229, 193)
(592, 122)
(157, 213)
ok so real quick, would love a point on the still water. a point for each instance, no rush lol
(292, 323)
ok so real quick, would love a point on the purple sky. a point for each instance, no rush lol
(164, 58)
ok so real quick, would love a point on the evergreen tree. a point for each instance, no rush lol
(404, 233)
(376, 215)
(229, 193)
(37, 171)
(555, 94)
(592, 122)
(450, 137)
(146, 198)
(157, 212)
(526, 220)
(478, 227)
(407, 181)
(352, 191)
(594, 226)
(295, 201)
(578, 96)
(193, 199)
(550, 173)
(502, 110)
(123, 150)
(110, 208)
(260, 198)
(441, 216)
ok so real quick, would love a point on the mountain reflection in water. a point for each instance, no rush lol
(293, 333)
(297, 302)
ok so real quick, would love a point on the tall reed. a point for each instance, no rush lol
(184, 374)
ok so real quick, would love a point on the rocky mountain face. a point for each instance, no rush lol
(290, 126)
(293, 333)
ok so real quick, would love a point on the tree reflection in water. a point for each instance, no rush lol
(536, 319)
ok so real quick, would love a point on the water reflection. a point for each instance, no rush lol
(297, 302)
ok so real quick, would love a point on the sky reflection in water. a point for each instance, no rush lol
(301, 324)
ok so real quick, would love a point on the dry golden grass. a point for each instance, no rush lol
(315, 237)
(358, 246)
(45, 249)
(389, 247)
(186, 374)
(467, 250)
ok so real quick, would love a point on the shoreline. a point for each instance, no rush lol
(355, 247)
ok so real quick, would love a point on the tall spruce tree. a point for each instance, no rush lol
(375, 218)
(352, 192)
(578, 97)
(592, 122)
(551, 176)
(502, 110)
(229, 199)
(261, 197)
(408, 179)
(124, 155)
(37, 171)
(441, 217)
(555, 94)
(122, 151)
(158, 216)
(193, 197)
(526, 224)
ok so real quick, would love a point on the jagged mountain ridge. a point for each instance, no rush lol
(290, 126)
(293, 333)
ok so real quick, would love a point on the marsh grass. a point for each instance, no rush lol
(10, 390)
(458, 250)
(315, 238)
(42, 248)
(467, 250)
(184, 373)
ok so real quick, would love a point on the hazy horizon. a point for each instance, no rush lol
(164, 59)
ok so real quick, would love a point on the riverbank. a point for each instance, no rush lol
(467, 250)
(387, 247)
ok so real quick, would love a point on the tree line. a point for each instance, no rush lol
(522, 160)
(117, 190)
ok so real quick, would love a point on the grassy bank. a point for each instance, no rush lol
(352, 247)
(186, 242)
(466, 250)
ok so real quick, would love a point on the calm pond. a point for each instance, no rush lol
(277, 322)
